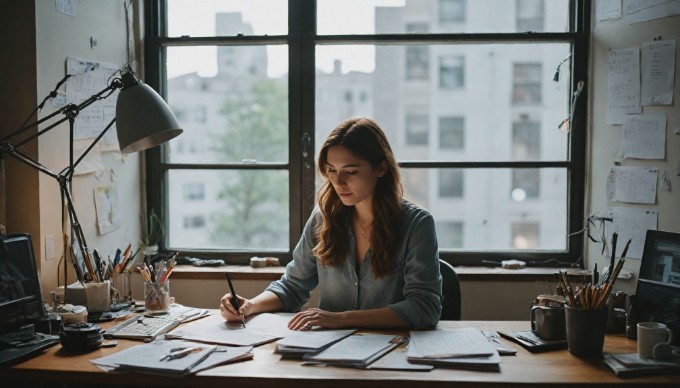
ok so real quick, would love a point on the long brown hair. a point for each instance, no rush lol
(365, 139)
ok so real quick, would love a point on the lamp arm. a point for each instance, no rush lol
(68, 171)
(6, 148)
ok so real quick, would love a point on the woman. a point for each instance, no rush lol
(373, 254)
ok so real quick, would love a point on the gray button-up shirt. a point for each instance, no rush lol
(413, 291)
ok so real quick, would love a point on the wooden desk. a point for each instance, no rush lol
(556, 369)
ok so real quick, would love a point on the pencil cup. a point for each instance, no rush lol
(156, 297)
(120, 285)
(585, 330)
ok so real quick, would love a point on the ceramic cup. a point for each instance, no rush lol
(650, 334)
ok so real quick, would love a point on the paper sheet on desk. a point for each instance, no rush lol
(146, 358)
(260, 329)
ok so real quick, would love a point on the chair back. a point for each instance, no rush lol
(451, 292)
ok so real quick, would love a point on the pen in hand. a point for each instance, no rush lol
(234, 298)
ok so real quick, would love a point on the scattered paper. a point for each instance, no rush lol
(644, 136)
(658, 72)
(631, 223)
(623, 84)
(665, 181)
(106, 205)
(636, 11)
(608, 9)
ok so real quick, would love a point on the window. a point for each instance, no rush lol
(464, 102)
(450, 234)
(451, 183)
(451, 11)
(530, 15)
(194, 191)
(416, 129)
(452, 133)
(451, 72)
(527, 83)
(525, 235)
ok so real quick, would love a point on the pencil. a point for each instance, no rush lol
(234, 298)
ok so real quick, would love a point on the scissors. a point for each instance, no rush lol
(180, 352)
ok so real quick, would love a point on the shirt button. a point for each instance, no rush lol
(356, 284)
(354, 306)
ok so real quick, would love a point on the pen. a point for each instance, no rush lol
(615, 237)
(234, 298)
(596, 276)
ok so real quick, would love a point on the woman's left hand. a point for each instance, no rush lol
(304, 320)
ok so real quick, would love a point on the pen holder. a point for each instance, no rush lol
(585, 330)
(156, 297)
(120, 286)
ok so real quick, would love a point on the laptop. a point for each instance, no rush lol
(21, 302)
(657, 294)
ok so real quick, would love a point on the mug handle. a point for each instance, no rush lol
(670, 336)
(533, 318)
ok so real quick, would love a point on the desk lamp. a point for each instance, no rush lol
(143, 119)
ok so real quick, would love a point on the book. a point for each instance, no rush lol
(630, 365)
(532, 342)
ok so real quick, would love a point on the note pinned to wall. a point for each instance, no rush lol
(608, 10)
(636, 11)
(623, 84)
(644, 136)
(631, 223)
(632, 184)
(106, 205)
(658, 72)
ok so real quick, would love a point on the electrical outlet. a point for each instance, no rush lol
(49, 247)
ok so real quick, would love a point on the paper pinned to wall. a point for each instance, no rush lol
(106, 205)
(644, 136)
(636, 11)
(632, 184)
(89, 78)
(608, 9)
(91, 162)
(631, 223)
(623, 84)
(658, 72)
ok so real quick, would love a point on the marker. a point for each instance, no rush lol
(234, 298)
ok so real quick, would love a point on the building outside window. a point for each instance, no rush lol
(275, 79)
(451, 72)
(452, 133)
(194, 191)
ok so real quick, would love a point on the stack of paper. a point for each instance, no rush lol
(357, 351)
(299, 343)
(154, 357)
(630, 364)
(462, 348)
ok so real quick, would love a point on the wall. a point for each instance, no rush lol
(36, 62)
(605, 139)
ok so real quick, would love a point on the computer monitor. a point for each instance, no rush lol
(21, 300)
(657, 297)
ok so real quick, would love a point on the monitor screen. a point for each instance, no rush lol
(657, 296)
(20, 297)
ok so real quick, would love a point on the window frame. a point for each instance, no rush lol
(302, 41)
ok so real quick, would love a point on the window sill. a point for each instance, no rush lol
(242, 272)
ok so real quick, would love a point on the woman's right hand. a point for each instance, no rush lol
(228, 311)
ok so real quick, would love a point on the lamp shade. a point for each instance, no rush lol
(143, 119)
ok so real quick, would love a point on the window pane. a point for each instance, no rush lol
(239, 114)
(349, 17)
(411, 110)
(227, 17)
(449, 235)
(241, 209)
(485, 209)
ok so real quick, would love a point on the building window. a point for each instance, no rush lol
(451, 72)
(451, 183)
(194, 222)
(436, 79)
(451, 11)
(527, 81)
(417, 129)
(530, 14)
(452, 133)
(194, 191)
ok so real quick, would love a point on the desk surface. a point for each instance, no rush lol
(555, 368)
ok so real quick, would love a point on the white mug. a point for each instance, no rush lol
(650, 334)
